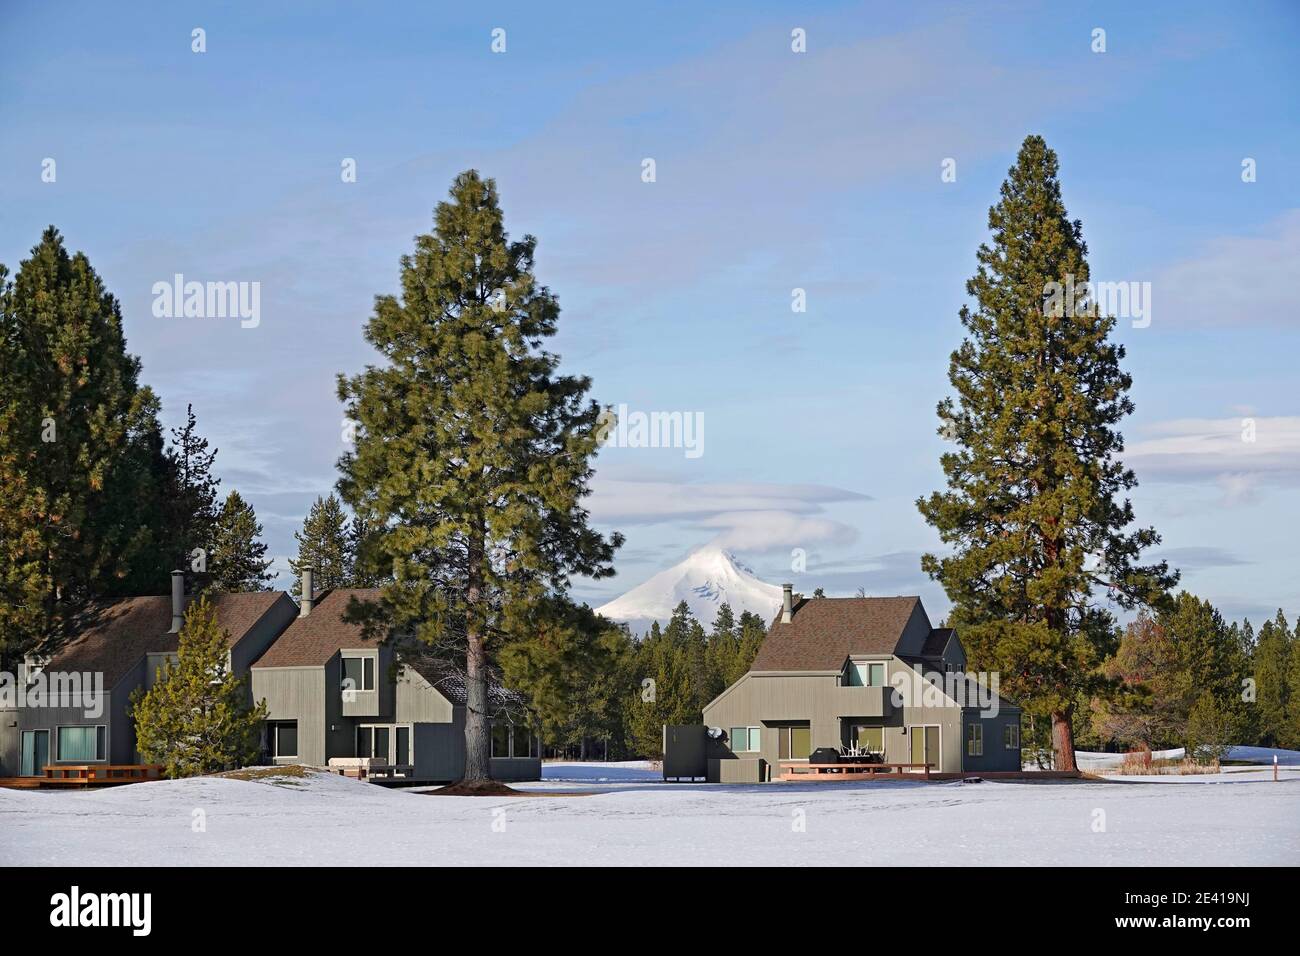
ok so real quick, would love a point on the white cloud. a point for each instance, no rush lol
(1216, 451)
(1235, 279)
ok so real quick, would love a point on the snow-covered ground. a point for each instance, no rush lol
(1090, 760)
(629, 817)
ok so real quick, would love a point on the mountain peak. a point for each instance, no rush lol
(705, 579)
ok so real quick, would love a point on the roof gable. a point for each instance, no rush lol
(113, 638)
(312, 640)
(823, 632)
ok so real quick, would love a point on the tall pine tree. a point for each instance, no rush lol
(472, 454)
(191, 506)
(79, 448)
(324, 544)
(1033, 509)
(238, 561)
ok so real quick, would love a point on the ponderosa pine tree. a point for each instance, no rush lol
(472, 455)
(196, 718)
(79, 447)
(324, 544)
(1033, 509)
(238, 561)
(191, 506)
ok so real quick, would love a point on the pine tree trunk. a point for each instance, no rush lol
(478, 738)
(1063, 741)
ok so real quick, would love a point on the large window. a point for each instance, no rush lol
(867, 674)
(358, 673)
(795, 742)
(282, 738)
(1011, 736)
(511, 740)
(745, 740)
(82, 743)
(974, 740)
(868, 739)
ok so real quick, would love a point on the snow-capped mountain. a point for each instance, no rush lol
(707, 578)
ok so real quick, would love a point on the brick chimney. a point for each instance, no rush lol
(787, 602)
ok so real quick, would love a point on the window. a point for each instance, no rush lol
(867, 674)
(511, 740)
(500, 740)
(794, 742)
(402, 757)
(81, 743)
(868, 738)
(974, 740)
(282, 738)
(358, 673)
(1011, 736)
(521, 741)
(744, 740)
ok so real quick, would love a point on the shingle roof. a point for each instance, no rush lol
(312, 640)
(112, 638)
(824, 631)
(936, 642)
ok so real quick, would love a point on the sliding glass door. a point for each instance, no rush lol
(36, 752)
(925, 745)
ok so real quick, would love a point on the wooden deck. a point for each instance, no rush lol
(63, 776)
(840, 772)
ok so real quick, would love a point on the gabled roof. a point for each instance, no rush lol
(312, 640)
(936, 642)
(824, 632)
(112, 638)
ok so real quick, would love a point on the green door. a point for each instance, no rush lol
(36, 752)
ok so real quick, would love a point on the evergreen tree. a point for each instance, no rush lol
(196, 718)
(324, 543)
(753, 629)
(1290, 734)
(1211, 729)
(78, 435)
(472, 454)
(238, 561)
(366, 565)
(573, 669)
(1273, 653)
(1033, 509)
(191, 508)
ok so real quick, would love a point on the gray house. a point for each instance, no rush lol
(864, 673)
(336, 695)
(124, 642)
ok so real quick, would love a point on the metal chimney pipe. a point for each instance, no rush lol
(308, 593)
(787, 602)
(178, 601)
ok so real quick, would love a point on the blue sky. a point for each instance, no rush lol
(775, 171)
